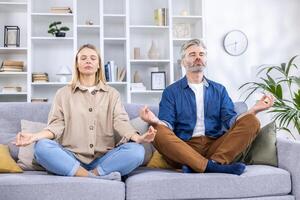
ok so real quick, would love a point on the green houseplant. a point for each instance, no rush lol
(54, 29)
(284, 85)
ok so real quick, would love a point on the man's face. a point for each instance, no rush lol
(195, 59)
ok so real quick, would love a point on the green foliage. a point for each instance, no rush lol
(286, 108)
(54, 28)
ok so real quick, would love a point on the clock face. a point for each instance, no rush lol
(235, 43)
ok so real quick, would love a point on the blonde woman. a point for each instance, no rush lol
(79, 139)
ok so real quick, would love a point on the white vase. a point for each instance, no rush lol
(153, 52)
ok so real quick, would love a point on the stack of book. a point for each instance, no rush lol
(39, 100)
(11, 89)
(40, 77)
(137, 87)
(60, 10)
(12, 66)
(161, 16)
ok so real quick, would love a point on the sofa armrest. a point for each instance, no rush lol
(289, 159)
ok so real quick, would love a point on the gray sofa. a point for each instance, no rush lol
(258, 182)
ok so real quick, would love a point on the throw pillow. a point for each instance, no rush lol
(7, 164)
(157, 161)
(142, 127)
(26, 154)
(7, 138)
(263, 149)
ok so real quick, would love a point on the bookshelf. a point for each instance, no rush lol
(115, 27)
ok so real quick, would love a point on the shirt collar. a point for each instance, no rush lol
(99, 86)
(184, 82)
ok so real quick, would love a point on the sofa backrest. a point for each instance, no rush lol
(11, 115)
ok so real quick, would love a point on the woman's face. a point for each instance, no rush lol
(88, 61)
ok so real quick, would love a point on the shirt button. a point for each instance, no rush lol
(91, 127)
(90, 109)
(91, 145)
(93, 92)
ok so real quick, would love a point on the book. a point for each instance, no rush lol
(60, 10)
(112, 70)
(39, 100)
(11, 89)
(121, 72)
(106, 71)
(12, 63)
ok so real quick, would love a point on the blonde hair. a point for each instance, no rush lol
(100, 76)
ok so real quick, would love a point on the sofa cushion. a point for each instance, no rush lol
(26, 154)
(258, 180)
(142, 127)
(40, 185)
(263, 149)
(7, 164)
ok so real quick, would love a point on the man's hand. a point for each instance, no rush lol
(24, 139)
(264, 103)
(148, 116)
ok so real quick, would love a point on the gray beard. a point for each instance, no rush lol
(195, 68)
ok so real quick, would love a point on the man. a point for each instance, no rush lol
(192, 113)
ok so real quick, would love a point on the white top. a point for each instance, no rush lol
(90, 89)
(200, 126)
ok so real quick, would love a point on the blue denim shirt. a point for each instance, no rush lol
(177, 109)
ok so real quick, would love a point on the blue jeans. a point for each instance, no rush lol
(53, 157)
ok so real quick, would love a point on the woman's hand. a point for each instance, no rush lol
(146, 137)
(24, 139)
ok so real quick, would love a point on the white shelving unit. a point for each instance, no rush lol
(115, 27)
(14, 13)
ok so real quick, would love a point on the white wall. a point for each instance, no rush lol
(273, 30)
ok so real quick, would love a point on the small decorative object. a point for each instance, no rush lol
(235, 43)
(136, 77)
(153, 52)
(158, 80)
(182, 30)
(55, 30)
(11, 36)
(136, 53)
(184, 13)
(89, 22)
(63, 72)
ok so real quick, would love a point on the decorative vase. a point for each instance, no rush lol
(153, 51)
(60, 34)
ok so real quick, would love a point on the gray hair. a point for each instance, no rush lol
(189, 43)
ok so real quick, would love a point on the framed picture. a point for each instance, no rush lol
(11, 36)
(158, 80)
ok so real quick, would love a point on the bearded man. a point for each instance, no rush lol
(197, 127)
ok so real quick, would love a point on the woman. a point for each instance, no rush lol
(79, 139)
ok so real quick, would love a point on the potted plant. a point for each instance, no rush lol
(284, 85)
(57, 31)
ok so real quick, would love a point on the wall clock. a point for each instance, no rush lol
(235, 42)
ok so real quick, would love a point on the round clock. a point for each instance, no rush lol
(235, 42)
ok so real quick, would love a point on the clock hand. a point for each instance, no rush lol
(230, 44)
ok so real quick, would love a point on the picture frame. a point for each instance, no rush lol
(11, 36)
(158, 80)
